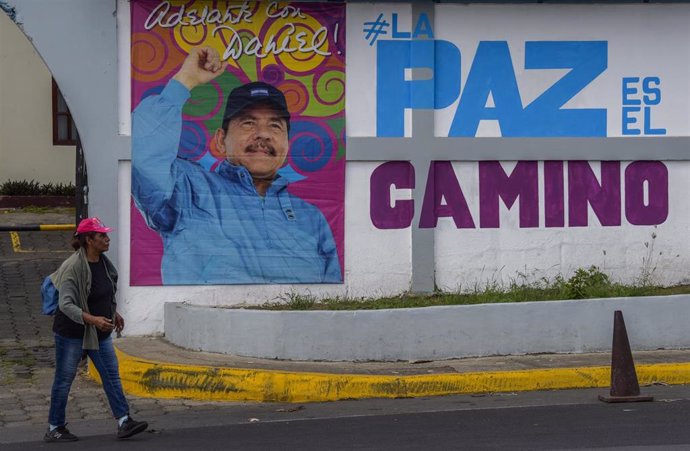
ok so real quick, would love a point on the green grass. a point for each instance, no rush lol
(43, 210)
(584, 284)
(35, 209)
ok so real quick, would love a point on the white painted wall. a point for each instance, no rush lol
(377, 261)
(26, 129)
(469, 258)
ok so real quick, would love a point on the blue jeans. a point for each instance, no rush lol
(68, 353)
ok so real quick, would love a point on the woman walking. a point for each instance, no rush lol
(83, 323)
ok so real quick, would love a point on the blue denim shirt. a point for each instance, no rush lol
(215, 227)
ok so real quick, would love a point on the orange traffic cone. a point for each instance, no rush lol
(624, 385)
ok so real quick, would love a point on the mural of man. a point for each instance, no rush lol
(238, 224)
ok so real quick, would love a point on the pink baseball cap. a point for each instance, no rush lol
(92, 225)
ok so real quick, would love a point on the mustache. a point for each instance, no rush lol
(261, 147)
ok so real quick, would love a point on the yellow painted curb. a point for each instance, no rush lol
(58, 227)
(164, 380)
(17, 245)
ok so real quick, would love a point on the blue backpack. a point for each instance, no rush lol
(49, 297)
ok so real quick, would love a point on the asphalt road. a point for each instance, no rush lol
(535, 421)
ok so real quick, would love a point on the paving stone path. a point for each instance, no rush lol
(27, 359)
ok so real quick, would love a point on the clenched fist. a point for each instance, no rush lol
(202, 65)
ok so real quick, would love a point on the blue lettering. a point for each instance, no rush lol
(544, 116)
(648, 130)
(395, 33)
(492, 77)
(423, 27)
(629, 91)
(629, 119)
(491, 73)
(648, 89)
(394, 94)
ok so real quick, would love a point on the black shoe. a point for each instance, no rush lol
(60, 434)
(131, 427)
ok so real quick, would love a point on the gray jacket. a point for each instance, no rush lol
(73, 281)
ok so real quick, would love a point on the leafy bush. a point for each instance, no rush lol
(33, 188)
(586, 282)
(16, 188)
(58, 189)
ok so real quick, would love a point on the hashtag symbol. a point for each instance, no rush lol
(374, 29)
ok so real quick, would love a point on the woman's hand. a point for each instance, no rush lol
(119, 323)
(101, 322)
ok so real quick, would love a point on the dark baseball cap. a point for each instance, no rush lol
(253, 93)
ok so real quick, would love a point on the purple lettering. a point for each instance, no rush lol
(655, 210)
(523, 182)
(554, 209)
(441, 184)
(645, 184)
(384, 215)
(584, 189)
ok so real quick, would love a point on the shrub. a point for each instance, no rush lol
(585, 282)
(33, 188)
(17, 188)
(58, 189)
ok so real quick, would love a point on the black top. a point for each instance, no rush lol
(99, 302)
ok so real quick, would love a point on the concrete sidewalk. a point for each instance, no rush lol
(161, 379)
(152, 367)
